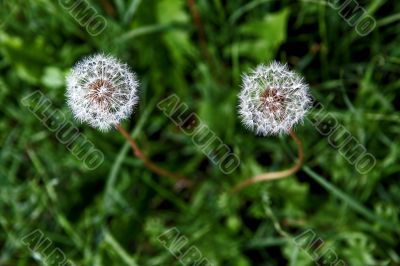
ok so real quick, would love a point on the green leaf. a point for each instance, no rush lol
(53, 78)
(261, 39)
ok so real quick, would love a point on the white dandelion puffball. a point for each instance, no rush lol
(273, 99)
(101, 91)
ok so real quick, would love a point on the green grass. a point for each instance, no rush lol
(115, 214)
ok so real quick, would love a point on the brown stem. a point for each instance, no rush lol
(200, 29)
(148, 163)
(279, 174)
(108, 7)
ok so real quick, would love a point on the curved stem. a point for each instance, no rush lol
(279, 174)
(148, 163)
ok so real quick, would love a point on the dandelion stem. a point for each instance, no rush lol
(276, 175)
(151, 165)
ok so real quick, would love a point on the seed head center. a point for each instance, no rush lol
(272, 100)
(100, 91)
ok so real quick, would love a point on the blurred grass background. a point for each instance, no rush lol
(114, 214)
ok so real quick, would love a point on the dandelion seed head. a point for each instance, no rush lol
(101, 91)
(273, 99)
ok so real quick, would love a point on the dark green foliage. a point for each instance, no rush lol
(115, 214)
